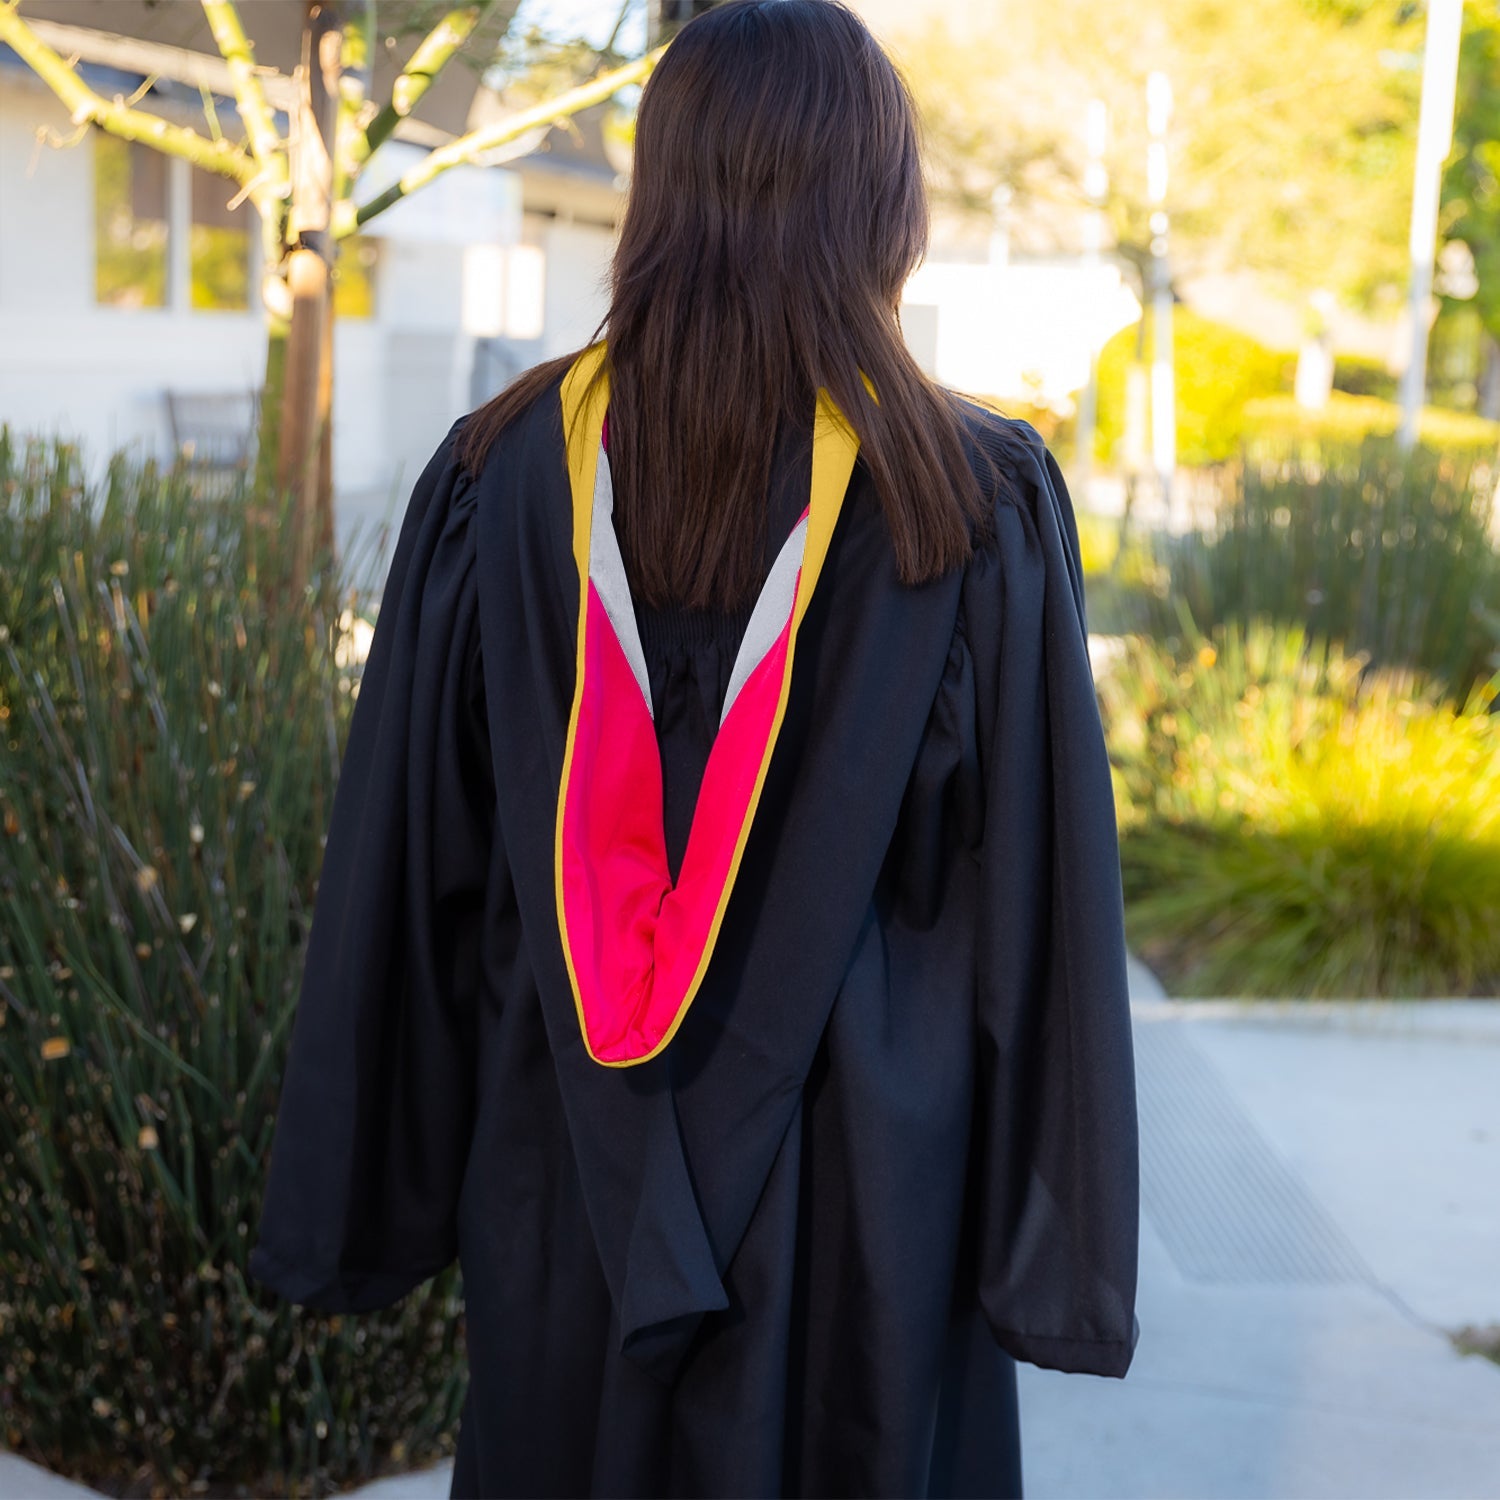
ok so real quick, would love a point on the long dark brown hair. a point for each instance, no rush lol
(776, 208)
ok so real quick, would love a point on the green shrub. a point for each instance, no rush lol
(1358, 375)
(168, 752)
(1387, 552)
(1346, 419)
(1121, 588)
(1455, 357)
(1217, 371)
(1098, 541)
(1294, 824)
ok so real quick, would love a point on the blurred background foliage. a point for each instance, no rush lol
(1311, 199)
(1218, 371)
(1261, 180)
(1296, 824)
(1302, 722)
(1387, 553)
(1348, 419)
(1292, 138)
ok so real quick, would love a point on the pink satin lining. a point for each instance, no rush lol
(637, 941)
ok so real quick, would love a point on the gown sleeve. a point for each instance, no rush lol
(377, 1098)
(1058, 1189)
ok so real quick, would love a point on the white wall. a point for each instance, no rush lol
(427, 354)
(1014, 331)
(46, 206)
(576, 295)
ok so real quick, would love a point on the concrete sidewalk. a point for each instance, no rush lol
(1320, 1205)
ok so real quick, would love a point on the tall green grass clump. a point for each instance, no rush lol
(1393, 554)
(1295, 824)
(1348, 417)
(169, 744)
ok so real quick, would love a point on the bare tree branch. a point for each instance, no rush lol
(250, 97)
(355, 65)
(614, 34)
(433, 54)
(468, 147)
(85, 107)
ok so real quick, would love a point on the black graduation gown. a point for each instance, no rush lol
(892, 1147)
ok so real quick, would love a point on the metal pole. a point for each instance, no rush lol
(1163, 393)
(1000, 201)
(179, 234)
(1434, 139)
(1095, 186)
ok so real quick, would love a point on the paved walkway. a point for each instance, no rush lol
(1320, 1205)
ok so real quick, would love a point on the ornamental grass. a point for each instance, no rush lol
(1295, 823)
(1394, 554)
(170, 732)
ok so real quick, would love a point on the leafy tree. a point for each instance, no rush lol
(1291, 142)
(1470, 210)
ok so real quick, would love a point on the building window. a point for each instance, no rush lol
(164, 234)
(354, 277)
(130, 223)
(219, 245)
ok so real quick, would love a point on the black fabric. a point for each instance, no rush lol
(690, 652)
(892, 1147)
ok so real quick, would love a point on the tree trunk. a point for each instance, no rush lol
(323, 536)
(302, 467)
(297, 468)
(1134, 442)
